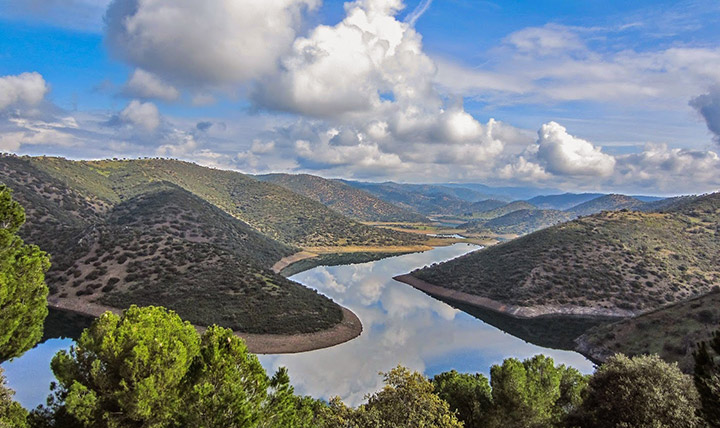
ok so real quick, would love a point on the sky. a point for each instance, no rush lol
(587, 95)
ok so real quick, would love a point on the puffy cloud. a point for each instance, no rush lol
(143, 115)
(25, 88)
(147, 85)
(352, 66)
(564, 154)
(550, 39)
(671, 170)
(708, 105)
(208, 42)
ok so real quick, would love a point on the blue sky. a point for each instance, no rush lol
(580, 95)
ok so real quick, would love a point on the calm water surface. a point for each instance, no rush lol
(401, 326)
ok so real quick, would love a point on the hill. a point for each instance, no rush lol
(270, 209)
(670, 332)
(176, 234)
(345, 199)
(618, 262)
(518, 222)
(606, 203)
(426, 199)
(503, 210)
(564, 201)
(486, 205)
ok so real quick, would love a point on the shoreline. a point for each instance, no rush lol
(349, 328)
(521, 312)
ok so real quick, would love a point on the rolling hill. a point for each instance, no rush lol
(612, 202)
(198, 240)
(623, 261)
(503, 210)
(345, 199)
(486, 205)
(564, 201)
(518, 222)
(424, 199)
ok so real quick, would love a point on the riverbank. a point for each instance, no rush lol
(523, 312)
(349, 328)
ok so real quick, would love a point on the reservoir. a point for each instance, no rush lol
(401, 325)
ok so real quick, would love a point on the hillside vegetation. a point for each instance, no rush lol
(612, 202)
(614, 260)
(564, 201)
(518, 222)
(197, 240)
(503, 210)
(343, 198)
(422, 198)
(670, 332)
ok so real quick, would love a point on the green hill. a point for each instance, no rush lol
(503, 210)
(198, 240)
(486, 205)
(613, 260)
(270, 209)
(670, 332)
(518, 222)
(343, 198)
(564, 201)
(422, 198)
(606, 203)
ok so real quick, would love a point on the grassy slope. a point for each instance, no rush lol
(606, 203)
(518, 222)
(627, 260)
(341, 197)
(425, 199)
(670, 332)
(486, 205)
(118, 235)
(273, 210)
(502, 210)
(564, 201)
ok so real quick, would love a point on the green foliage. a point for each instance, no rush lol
(642, 392)
(23, 293)
(606, 203)
(468, 395)
(517, 222)
(343, 198)
(12, 415)
(406, 401)
(148, 368)
(128, 371)
(707, 378)
(534, 393)
(614, 260)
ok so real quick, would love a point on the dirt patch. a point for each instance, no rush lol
(287, 261)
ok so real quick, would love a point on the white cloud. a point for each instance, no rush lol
(708, 105)
(204, 43)
(564, 154)
(25, 88)
(147, 85)
(144, 115)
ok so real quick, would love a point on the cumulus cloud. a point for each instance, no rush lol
(204, 43)
(147, 85)
(708, 105)
(25, 88)
(348, 67)
(144, 115)
(565, 154)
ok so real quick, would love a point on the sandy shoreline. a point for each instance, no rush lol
(349, 328)
(525, 312)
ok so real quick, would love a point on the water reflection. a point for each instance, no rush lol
(401, 326)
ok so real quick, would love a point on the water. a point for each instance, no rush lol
(401, 325)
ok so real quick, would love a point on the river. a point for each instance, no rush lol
(401, 325)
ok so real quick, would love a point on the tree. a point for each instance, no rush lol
(707, 379)
(128, 371)
(12, 415)
(534, 393)
(23, 293)
(642, 392)
(468, 395)
(407, 400)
